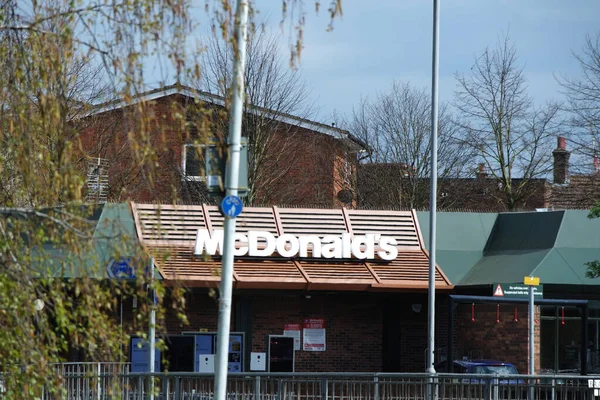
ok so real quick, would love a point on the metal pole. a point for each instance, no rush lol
(121, 321)
(450, 353)
(151, 334)
(433, 188)
(231, 189)
(531, 340)
(531, 333)
(584, 339)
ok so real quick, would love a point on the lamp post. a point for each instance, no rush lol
(531, 281)
(231, 191)
(433, 190)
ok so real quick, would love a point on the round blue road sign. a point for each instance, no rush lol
(231, 206)
(121, 268)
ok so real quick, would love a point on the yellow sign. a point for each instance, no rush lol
(531, 280)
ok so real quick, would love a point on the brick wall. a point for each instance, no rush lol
(581, 192)
(506, 340)
(387, 186)
(118, 135)
(353, 322)
(299, 169)
(303, 171)
(202, 313)
(356, 328)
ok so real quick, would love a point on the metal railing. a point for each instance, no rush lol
(96, 380)
(330, 386)
(97, 368)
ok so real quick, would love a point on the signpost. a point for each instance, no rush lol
(516, 290)
(231, 189)
(232, 206)
(532, 282)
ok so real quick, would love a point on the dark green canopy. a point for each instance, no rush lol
(112, 236)
(480, 249)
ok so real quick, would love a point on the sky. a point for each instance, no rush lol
(377, 42)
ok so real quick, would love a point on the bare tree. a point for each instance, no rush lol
(396, 127)
(274, 91)
(583, 105)
(513, 138)
(583, 92)
(68, 93)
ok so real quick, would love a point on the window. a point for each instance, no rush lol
(207, 163)
(193, 162)
(194, 165)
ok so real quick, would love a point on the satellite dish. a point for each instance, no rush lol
(345, 196)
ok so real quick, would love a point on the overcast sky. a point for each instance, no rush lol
(377, 42)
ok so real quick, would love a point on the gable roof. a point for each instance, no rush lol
(186, 91)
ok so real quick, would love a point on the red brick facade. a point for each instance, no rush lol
(302, 166)
(391, 186)
(385, 186)
(353, 329)
(504, 338)
(366, 332)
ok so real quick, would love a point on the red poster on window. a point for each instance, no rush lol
(314, 323)
(314, 335)
(293, 330)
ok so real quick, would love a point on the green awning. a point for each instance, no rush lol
(508, 266)
(553, 246)
(461, 238)
(475, 249)
(113, 236)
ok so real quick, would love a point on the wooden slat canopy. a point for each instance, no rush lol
(169, 234)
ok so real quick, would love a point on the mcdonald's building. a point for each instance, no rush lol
(346, 290)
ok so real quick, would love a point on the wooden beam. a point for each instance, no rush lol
(375, 276)
(417, 228)
(347, 220)
(277, 220)
(207, 220)
(137, 221)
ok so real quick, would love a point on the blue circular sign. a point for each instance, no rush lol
(121, 269)
(232, 206)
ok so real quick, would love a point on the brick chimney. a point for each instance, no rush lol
(561, 162)
(481, 174)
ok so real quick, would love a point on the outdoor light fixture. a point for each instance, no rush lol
(417, 307)
(308, 296)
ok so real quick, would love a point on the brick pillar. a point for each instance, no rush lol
(481, 173)
(561, 162)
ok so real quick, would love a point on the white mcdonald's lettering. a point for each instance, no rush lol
(363, 247)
